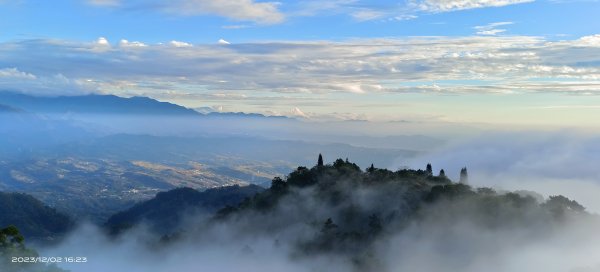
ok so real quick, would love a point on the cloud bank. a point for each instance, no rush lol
(512, 64)
(550, 163)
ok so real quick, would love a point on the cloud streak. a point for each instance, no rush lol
(273, 12)
(236, 10)
(492, 29)
(452, 5)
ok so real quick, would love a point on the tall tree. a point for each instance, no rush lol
(442, 173)
(429, 169)
(320, 160)
(464, 176)
(12, 245)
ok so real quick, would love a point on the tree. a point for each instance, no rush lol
(301, 177)
(442, 173)
(320, 160)
(12, 245)
(345, 165)
(371, 169)
(429, 169)
(559, 206)
(464, 176)
(277, 184)
(10, 238)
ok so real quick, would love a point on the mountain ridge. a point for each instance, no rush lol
(93, 104)
(35, 219)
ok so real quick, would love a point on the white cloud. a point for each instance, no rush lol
(235, 26)
(367, 14)
(296, 112)
(404, 17)
(127, 44)
(491, 29)
(593, 40)
(239, 10)
(268, 12)
(223, 42)
(15, 73)
(102, 42)
(452, 5)
(106, 3)
(491, 32)
(180, 44)
(14, 79)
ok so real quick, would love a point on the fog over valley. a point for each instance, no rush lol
(299, 136)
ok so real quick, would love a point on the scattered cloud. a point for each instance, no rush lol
(452, 5)
(235, 26)
(237, 10)
(104, 3)
(180, 44)
(15, 73)
(223, 42)
(102, 42)
(268, 13)
(367, 14)
(127, 44)
(15, 79)
(409, 10)
(491, 29)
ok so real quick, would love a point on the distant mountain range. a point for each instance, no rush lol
(107, 104)
(92, 104)
(165, 212)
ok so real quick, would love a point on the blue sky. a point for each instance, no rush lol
(151, 22)
(510, 62)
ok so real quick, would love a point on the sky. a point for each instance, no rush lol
(497, 63)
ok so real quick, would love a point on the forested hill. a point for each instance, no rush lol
(166, 211)
(349, 209)
(35, 220)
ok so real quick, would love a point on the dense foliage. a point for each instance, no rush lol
(165, 212)
(34, 219)
(12, 246)
(348, 209)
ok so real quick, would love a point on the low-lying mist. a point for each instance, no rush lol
(549, 163)
(347, 220)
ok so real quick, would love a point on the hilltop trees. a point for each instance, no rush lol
(348, 209)
(560, 206)
(33, 218)
(464, 177)
(429, 169)
(320, 160)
